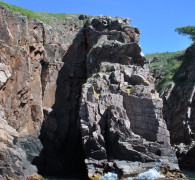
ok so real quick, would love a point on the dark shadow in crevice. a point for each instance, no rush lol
(62, 154)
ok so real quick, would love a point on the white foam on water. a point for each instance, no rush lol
(109, 176)
(151, 174)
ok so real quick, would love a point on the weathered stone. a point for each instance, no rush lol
(83, 87)
(31, 54)
(7, 133)
(138, 79)
(15, 158)
(121, 114)
(5, 73)
(116, 77)
(127, 74)
(179, 109)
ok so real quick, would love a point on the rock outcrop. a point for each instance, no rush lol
(31, 54)
(178, 98)
(180, 110)
(85, 92)
(121, 113)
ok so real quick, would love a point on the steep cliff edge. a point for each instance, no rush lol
(179, 100)
(83, 88)
(31, 54)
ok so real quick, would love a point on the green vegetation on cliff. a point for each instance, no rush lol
(163, 66)
(45, 17)
(48, 17)
(187, 30)
(28, 13)
(167, 67)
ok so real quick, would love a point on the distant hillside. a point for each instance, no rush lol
(163, 67)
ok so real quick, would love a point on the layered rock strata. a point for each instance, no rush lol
(31, 54)
(85, 90)
(121, 113)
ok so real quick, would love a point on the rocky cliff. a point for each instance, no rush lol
(31, 54)
(179, 102)
(180, 110)
(84, 90)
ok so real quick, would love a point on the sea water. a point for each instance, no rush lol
(190, 174)
(151, 174)
(109, 175)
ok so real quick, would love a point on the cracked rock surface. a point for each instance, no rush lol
(120, 112)
(77, 100)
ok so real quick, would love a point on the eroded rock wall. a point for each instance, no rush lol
(180, 110)
(177, 88)
(31, 54)
(121, 113)
(85, 90)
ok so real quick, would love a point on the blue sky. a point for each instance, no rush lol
(156, 19)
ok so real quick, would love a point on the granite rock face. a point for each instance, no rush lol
(84, 90)
(120, 111)
(31, 54)
(16, 152)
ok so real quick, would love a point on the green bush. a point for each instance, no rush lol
(187, 30)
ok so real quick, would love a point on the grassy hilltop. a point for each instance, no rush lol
(45, 17)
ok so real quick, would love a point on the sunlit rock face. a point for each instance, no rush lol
(120, 112)
(31, 54)
(81, 87)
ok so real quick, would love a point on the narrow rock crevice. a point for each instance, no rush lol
(44, 72)
(62, 154)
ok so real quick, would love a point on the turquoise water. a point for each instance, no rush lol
(190, 174)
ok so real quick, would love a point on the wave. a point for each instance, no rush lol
(151, 174)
